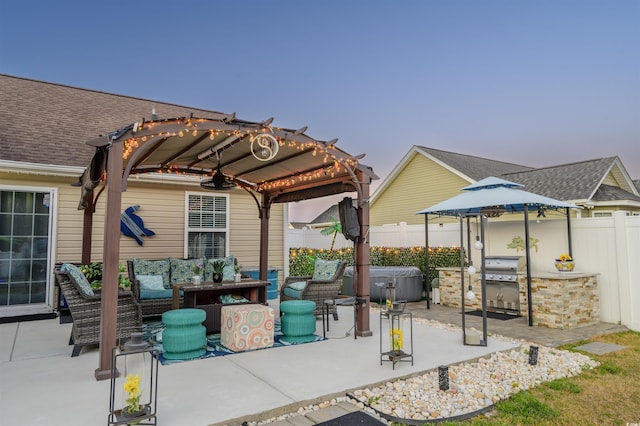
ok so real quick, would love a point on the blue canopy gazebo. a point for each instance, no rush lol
(492, 197)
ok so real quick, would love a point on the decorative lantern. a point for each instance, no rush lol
(134, 383)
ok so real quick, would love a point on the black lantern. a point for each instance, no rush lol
(134, 383)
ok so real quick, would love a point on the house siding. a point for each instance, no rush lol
(406, 195)
(162, 207)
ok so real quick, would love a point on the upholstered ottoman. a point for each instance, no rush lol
(246, 327)
(298, 323)
(184, 336)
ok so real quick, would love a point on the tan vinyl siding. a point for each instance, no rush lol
(162, 207)
(408, 192)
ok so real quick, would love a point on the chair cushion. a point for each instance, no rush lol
(153, 267)
(298, 285)
(232, 298)
(155, 294)
(182, 269)
(292, 293)
(325, 269)
(150, 282)
(78, 277)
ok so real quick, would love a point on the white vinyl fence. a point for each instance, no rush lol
(609, 247)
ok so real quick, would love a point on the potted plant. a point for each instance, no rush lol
(564, 263)
(238, 274)
(218, 269)
(197, 271)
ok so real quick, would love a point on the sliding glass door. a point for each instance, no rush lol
(25, 236)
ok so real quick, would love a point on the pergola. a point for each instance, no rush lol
(274, 165)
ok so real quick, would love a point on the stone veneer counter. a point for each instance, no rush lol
(560, 299)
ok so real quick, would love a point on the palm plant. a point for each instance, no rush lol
(334, 229)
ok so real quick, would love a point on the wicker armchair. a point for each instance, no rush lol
(317, 290)
(85, 312)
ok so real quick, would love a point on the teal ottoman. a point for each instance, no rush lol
(184, 336)
(298, 323)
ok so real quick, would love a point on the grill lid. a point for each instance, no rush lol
(503, 268)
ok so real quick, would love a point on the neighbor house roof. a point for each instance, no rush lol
(476, 168)
(598, 180)
(577, 181)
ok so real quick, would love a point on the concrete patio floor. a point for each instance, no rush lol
(42, 385)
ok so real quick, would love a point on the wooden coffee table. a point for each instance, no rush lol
(206, 295)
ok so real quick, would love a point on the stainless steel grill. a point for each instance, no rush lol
(501, 278)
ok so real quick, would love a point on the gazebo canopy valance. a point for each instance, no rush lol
(493, 193)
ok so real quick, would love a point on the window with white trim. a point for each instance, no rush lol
(207, 225)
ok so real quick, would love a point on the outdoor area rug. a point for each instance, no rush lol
(152, 333)
(493, 315)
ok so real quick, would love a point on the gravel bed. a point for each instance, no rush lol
(472, 385)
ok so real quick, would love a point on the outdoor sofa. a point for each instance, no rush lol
(152, 280)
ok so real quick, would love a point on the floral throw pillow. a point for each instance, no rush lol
(182, 269)
(153, 267)
(78, 277)
(325, 269)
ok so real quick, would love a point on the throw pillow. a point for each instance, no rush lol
(298, 285)
(182, 269)
(232, 298)
(77, 277)
(325, 269)
(150, 282)
(153, 267)
(228, 273)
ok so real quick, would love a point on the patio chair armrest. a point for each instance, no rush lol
(296, 279)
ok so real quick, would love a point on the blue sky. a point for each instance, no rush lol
(534, 82)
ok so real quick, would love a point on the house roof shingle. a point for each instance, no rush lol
(477, 168)
(71, 117)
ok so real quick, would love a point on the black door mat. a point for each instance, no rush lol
(493, 315)
(355, 418)
(23, 318)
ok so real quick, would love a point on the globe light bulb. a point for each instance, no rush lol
(471, 295)
(471, 269)
(478, 245)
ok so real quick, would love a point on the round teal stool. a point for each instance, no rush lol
(184, 336)
(298, 323)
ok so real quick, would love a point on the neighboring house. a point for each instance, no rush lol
(601, 186)
(44, 128)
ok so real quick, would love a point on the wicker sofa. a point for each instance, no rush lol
(152, 280)
(85, 307)
(325, 283)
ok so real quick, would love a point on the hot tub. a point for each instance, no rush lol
(408, 281)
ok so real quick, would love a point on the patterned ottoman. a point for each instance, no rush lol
(184, 336)
(246, 327)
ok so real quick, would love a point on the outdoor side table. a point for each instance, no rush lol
(399, 343)
(341, 301)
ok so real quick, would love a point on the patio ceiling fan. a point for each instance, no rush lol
(218, 182)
